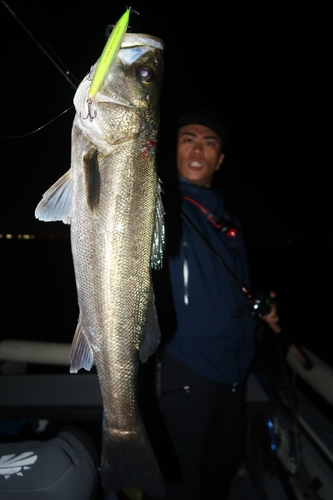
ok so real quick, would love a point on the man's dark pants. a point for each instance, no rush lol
(205, 421)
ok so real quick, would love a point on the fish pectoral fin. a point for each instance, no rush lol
(92, 179)
(81, 355)
(158, 244)
(152, 336)
(56, 203)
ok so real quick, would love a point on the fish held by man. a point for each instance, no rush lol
(111, 198)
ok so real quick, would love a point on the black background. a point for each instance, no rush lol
(264, 65)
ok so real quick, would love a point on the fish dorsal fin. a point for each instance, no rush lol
(92, 179)
(81, 355)
(56, 202)
(152, 336)
(158, 244)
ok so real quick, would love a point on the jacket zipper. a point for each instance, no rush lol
(185, 273)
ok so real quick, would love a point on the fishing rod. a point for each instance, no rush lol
(110, 51)
(260, 302)
(65, 72)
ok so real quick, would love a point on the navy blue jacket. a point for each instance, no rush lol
(212, 332)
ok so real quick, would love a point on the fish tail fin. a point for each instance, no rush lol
(128, 458)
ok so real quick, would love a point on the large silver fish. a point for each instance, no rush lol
(111, 198)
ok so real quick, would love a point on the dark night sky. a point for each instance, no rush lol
(265, 65)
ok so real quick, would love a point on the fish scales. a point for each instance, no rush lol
(118, 246)
(111, 198)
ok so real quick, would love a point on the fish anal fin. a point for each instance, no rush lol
(158, 243)
(152, 336)
(56, 202)
(92, 179)
(81, 355)
(127, 458)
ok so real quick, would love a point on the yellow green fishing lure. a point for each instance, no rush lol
(109, 53)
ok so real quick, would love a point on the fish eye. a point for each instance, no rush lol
(146, 74)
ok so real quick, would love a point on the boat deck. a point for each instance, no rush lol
(67, 398)
(42, 396)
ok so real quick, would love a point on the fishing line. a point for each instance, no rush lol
(64, 72)
(37, 129)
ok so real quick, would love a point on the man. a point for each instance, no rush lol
(208, 335)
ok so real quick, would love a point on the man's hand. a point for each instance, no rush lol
(272, 318)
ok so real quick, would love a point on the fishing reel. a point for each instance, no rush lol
(260, 303)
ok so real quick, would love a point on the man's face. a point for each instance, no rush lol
(198, 154)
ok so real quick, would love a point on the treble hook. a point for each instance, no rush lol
(89, 114)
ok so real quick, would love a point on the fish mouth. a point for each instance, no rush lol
(87, 108)
(116, 101)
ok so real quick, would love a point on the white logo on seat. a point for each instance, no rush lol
(11, 464)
